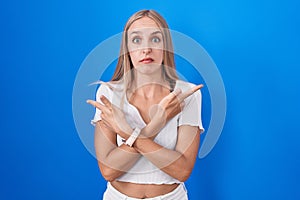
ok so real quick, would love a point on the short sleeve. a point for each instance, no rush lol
(102, 90)
(191, 113)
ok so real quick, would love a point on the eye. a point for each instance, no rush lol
(156, 39)
(136, 40)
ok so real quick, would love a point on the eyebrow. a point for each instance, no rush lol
(156, 32)
(139, 32)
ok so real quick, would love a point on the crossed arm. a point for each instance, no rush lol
(115, 160)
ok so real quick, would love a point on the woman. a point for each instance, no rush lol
(147, 122)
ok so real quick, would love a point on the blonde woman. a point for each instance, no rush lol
(147, 121)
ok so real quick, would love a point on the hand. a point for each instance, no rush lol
(113, 117)
(172, 104)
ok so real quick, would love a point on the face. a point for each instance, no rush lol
(145, 45)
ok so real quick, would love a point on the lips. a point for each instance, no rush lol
(146, 60)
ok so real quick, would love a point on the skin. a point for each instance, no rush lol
(156, 106)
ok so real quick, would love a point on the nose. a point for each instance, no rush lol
(147, 50)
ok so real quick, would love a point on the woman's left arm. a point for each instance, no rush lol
(179, 162)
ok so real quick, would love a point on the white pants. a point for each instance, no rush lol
(179, 193)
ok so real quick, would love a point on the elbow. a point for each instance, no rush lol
(109, 178)
(184, 175)
(183, 178)
(108, 174)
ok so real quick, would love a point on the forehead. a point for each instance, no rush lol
(144, 23)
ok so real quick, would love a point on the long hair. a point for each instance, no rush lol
(124, 72)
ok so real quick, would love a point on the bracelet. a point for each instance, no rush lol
(136, 132)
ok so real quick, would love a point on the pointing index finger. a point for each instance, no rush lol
(95, 104)
(191, 91)
(197, 87)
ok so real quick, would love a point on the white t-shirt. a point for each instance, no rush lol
(143, 171)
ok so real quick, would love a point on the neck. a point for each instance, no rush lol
(149, 86)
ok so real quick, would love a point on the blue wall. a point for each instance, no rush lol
(255, 45)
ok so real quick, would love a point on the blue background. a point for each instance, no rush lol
(255, 45)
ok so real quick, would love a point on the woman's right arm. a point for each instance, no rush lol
(113, 161)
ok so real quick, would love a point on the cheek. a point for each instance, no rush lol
(159, 55)
(134, 57)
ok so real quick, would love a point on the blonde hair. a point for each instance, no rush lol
(124, 72)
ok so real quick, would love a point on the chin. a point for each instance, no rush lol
(149, 68)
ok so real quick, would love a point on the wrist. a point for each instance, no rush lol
(154, 126)
(132, 138)
(138, 142)
(125, 132)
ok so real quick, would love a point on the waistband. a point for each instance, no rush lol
(179, 193)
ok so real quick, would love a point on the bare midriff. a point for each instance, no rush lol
(142, 191)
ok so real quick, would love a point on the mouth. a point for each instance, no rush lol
(146, 60)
